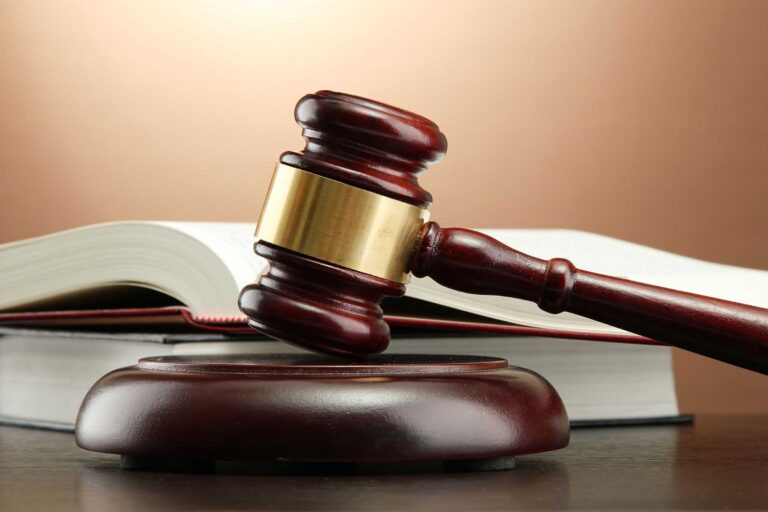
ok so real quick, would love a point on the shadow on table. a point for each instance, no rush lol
(543, 485)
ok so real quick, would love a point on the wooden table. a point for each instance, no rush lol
(717, 463)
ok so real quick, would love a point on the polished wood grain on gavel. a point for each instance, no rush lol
(345, 223)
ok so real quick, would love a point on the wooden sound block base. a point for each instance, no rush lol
(306, 410)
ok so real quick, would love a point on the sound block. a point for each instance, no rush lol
(313, 408)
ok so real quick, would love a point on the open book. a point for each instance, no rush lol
(203, 266)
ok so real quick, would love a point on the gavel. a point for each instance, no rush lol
(345, 224)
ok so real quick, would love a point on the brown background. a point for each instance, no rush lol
(646, 121)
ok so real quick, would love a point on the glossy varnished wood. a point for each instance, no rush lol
(719, 463)
(382, 149)
(369, 145)
(307, 302)
(305, 407)
(473, 262)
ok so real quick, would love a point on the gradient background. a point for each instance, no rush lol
(646, 120)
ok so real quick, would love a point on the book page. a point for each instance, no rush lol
(232, 241)
(202, 265)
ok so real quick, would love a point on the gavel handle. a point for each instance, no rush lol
(475, 263)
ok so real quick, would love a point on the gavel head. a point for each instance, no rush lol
(340, 222)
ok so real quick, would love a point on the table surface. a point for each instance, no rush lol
(719, 462)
